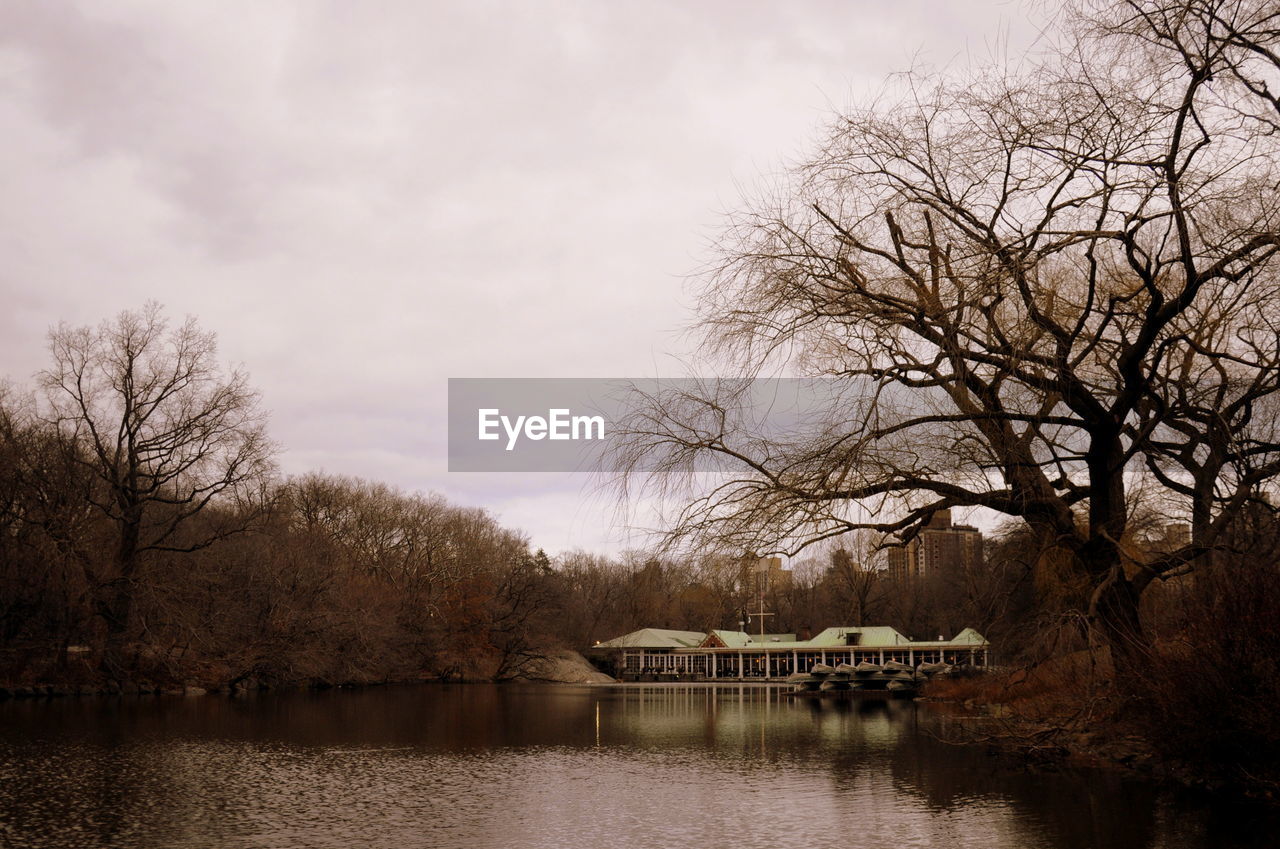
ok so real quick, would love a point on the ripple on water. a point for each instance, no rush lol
(498, 768)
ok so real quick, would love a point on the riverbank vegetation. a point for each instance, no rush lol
(147, 542)
(1201, 711)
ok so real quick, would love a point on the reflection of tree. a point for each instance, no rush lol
(965, 784)
(862, 772)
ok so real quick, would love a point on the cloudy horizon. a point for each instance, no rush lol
(362, 202)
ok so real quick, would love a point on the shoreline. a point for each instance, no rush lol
(1111, 745)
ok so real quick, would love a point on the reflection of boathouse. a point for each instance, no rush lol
(736, 655)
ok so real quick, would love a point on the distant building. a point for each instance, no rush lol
(940, 550)
(1167, 538)
(760, 576)
(737, 655)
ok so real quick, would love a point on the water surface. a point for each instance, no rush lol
(554, 766)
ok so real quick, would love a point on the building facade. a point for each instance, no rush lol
(941, 550)
(760, 576)
(737, 655)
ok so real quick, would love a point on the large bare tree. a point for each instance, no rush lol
(1039, 288)
(165, 432)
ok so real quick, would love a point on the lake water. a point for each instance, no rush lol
(555, 766)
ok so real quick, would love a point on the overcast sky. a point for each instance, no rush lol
(365, 199)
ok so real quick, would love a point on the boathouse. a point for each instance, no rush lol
(737, 655)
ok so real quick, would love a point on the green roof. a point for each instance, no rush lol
(654, 638)
(969, 637)
(874, 636)
(731, 639)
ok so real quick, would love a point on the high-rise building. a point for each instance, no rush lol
(759, 576)
(940, 550)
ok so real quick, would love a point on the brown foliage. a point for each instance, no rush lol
(1213, 690)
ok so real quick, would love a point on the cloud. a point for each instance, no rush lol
(364, 200)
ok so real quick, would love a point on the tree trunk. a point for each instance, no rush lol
(1114, 611)
(115, 602)
(115, 606)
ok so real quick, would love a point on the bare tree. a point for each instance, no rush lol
(852, 576)
(47, 530)
(1232, 38)
(165, 432)
(1037, 288)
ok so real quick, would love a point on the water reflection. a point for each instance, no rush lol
(542, 766)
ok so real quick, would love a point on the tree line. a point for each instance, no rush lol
(146, 535)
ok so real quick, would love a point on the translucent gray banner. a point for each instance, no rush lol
(602, 424)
